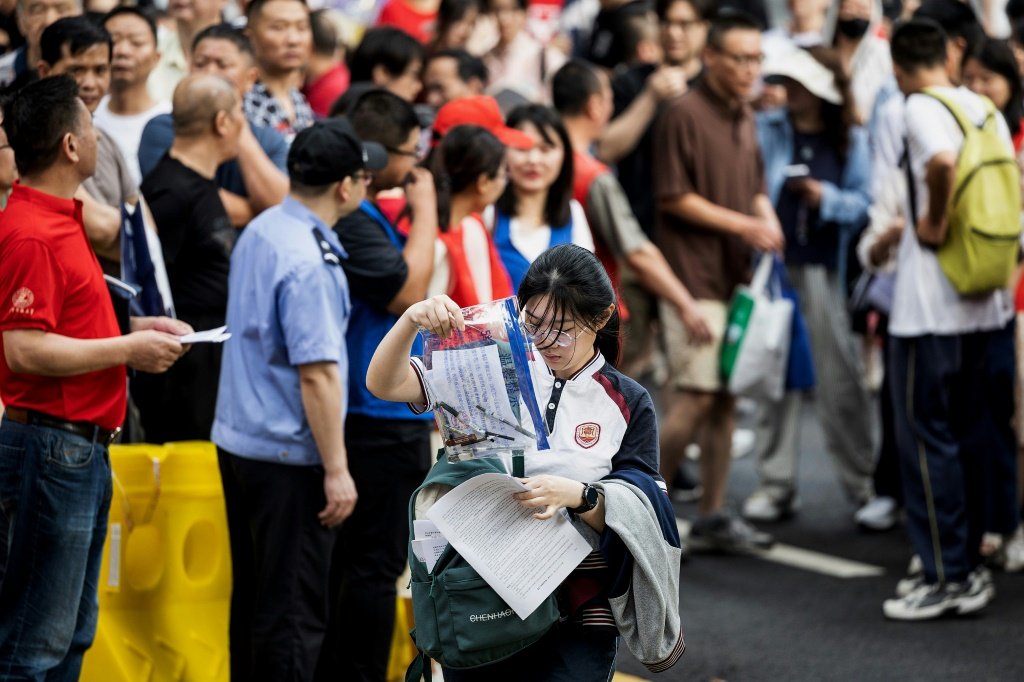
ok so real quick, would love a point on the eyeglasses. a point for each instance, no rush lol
(365, 176)
(686, 25)
(549, 337)
(418, 154)
(744, 61)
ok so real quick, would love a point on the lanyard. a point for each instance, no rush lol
(385, 224)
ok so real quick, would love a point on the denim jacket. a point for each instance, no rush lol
(845, 206)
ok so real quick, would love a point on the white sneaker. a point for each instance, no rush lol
(762, 506)
(933, 601)
(743, 441)
(878, 514)
(1014, 551)
(914, 578)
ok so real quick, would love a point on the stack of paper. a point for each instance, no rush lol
(218, 335)
(522, 558)
(428, 543)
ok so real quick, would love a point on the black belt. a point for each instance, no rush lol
(86, 430)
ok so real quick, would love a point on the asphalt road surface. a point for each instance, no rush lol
(789, 616)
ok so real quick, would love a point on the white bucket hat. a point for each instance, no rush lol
(799, 65)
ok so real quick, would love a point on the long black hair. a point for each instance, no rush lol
(549, 124)
(465, 153)
(578, 288)
(997, 56)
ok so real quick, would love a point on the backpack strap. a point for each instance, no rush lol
(966, 124)
(419, 669)
(911, 187)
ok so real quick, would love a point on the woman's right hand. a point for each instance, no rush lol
(438, 315)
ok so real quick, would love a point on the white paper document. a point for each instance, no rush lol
(218, 335)
(523, 559)
(429, 550)
(428, 543)
(424, 529)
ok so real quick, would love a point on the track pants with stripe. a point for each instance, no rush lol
(953, 408)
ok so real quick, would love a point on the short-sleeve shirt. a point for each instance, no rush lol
(196, 234)
(263, 109)
(158, 136)
(375, 268)
(50, 280)
(289, 307)
(112, 182)
(702, 145)
(924, 300)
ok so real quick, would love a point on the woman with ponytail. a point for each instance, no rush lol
(602, 428)
(469, 171)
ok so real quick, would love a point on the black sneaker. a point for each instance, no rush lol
(684, 488)
(722, 532)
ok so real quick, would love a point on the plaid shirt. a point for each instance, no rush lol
(263, 109)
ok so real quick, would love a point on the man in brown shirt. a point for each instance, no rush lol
(713, 212)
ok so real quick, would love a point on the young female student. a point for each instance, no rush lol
(537, 210)
(601, 424)
(469, 171)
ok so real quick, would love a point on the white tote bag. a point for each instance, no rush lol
(760, 369)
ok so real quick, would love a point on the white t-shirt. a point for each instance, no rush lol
(531, 242)
(925, 301)
(126, 131)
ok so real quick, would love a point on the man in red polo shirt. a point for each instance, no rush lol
(62, 378)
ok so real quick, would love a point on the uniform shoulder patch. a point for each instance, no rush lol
(587, 434)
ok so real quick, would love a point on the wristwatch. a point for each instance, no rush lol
(589, 500)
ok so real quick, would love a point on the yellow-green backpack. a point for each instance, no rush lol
(980, 251)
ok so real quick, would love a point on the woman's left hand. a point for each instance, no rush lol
(552, 492)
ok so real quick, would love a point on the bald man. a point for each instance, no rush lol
(197, 237)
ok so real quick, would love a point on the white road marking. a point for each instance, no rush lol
(808, 560)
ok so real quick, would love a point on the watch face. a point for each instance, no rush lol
(590, 495)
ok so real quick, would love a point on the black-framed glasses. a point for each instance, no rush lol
(744, 61)
(403, 152)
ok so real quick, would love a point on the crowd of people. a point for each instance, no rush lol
(325, 182)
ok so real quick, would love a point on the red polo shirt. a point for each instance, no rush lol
(50, 280)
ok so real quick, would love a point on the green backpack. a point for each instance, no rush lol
(980, 253)
(461, 622)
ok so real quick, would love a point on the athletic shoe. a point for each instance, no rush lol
(878, 514)
(980, 583)
(928, 602)
(914, 579)
(763, 506)
(1013, 551)
(722, 532)
(685, 488)
(743, 441)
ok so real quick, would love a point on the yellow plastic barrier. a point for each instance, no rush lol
(165, 583)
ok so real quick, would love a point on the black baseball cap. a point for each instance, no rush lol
(329, 151)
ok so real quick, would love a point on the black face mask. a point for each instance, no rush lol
(853, 28)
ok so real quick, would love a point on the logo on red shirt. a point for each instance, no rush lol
(22, 301)
(588, 434)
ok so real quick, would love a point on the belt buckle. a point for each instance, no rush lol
(113, 436)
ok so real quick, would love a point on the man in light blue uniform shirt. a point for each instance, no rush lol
(281, 406)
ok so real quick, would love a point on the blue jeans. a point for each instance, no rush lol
(55, 491)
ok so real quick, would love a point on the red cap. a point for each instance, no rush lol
(478, 110)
